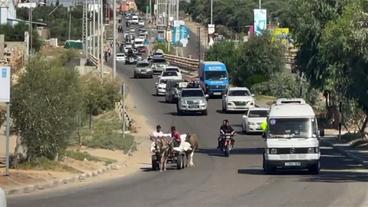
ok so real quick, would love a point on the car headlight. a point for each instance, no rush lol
(273, 151)
(252, 123)
(183, 102)
(313, 150)
(230, 103)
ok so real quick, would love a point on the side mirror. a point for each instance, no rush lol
(321, 132)
(253, 95)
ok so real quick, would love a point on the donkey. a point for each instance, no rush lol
(165, 147)
(192, 139)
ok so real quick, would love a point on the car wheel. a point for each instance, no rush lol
(267, 169)
(204, 112)
(315, 169)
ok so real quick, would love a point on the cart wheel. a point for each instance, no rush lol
(155, 163)
(179, 162)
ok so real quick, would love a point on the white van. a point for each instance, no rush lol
(138, 42)
(135, 20)
(292, 137)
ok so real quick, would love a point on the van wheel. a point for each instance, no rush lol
(315, 169)
(267, 169)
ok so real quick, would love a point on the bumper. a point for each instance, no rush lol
(144, 74)
(238, 108)
(160, 91)
(193, 108)
(292, 160)
(292, 163)
(254, 129)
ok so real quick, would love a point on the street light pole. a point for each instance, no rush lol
(114, 41)
(102, 37)
(70, 22)
(211, 11)
(260, 4)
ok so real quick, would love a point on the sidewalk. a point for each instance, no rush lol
(359, 155)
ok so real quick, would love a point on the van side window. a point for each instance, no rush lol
(314, 127)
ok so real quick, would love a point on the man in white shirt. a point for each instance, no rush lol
(154, 136)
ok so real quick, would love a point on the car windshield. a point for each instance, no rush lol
(216, 75)
(169, 73)
(142, 64)
(239, 93)
(160, 61)
(192, 93)
(163, 81)
(290, 128)
(257, 113)
(172, 69)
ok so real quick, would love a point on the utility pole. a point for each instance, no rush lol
(211, 11)
(102, 37)
(30, 30)
(114, 41)
(260, 4)
(94, 29)
(199, 44)
(177, 9)
(70, 21)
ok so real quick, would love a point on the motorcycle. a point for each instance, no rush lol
(227, 143)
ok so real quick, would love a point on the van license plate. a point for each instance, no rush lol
(288, 164)
(217, 93)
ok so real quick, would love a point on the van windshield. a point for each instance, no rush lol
(290, 128)
(215, 75)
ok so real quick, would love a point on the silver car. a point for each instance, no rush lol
(143, 69)
(192, 100)
(159, 64)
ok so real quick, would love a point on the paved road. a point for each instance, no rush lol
(216, 180)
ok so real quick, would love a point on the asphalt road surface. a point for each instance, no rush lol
(216, 181)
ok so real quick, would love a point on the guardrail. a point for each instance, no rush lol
(93, 59)
(2, 161)
(183, 62)
(193, 64)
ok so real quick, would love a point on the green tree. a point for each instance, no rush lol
(16, 33)
(226, 52)
(45, 102)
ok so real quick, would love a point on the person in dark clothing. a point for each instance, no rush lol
(224, 129)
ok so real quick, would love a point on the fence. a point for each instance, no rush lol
(2, 161)
(123, 115)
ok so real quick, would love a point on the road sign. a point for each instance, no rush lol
(260, 21)
(5, 84)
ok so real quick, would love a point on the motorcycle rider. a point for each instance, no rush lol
(176, 136)
(225, 129)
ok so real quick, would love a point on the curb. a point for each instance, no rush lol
(54, 183)
(347, 154)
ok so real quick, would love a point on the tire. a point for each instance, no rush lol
(315, 169)
(155, 163)
(267, 169)
(204, 112)
(227, 151)
(179, 112)
(180, 162)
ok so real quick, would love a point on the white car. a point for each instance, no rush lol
(252, 120)
(2, 198)
(170, 75)
(161, 87)
(127, 47)
(135, 19)
(237, 99)
(174, 69)
(120, 57)
(141, 23)
(138, 42)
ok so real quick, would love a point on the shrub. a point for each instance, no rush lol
(45, 102)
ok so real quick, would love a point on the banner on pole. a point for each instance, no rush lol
(260, 21)
(5, 84)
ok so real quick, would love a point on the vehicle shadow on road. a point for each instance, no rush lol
(219, 111)
(236, 151)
